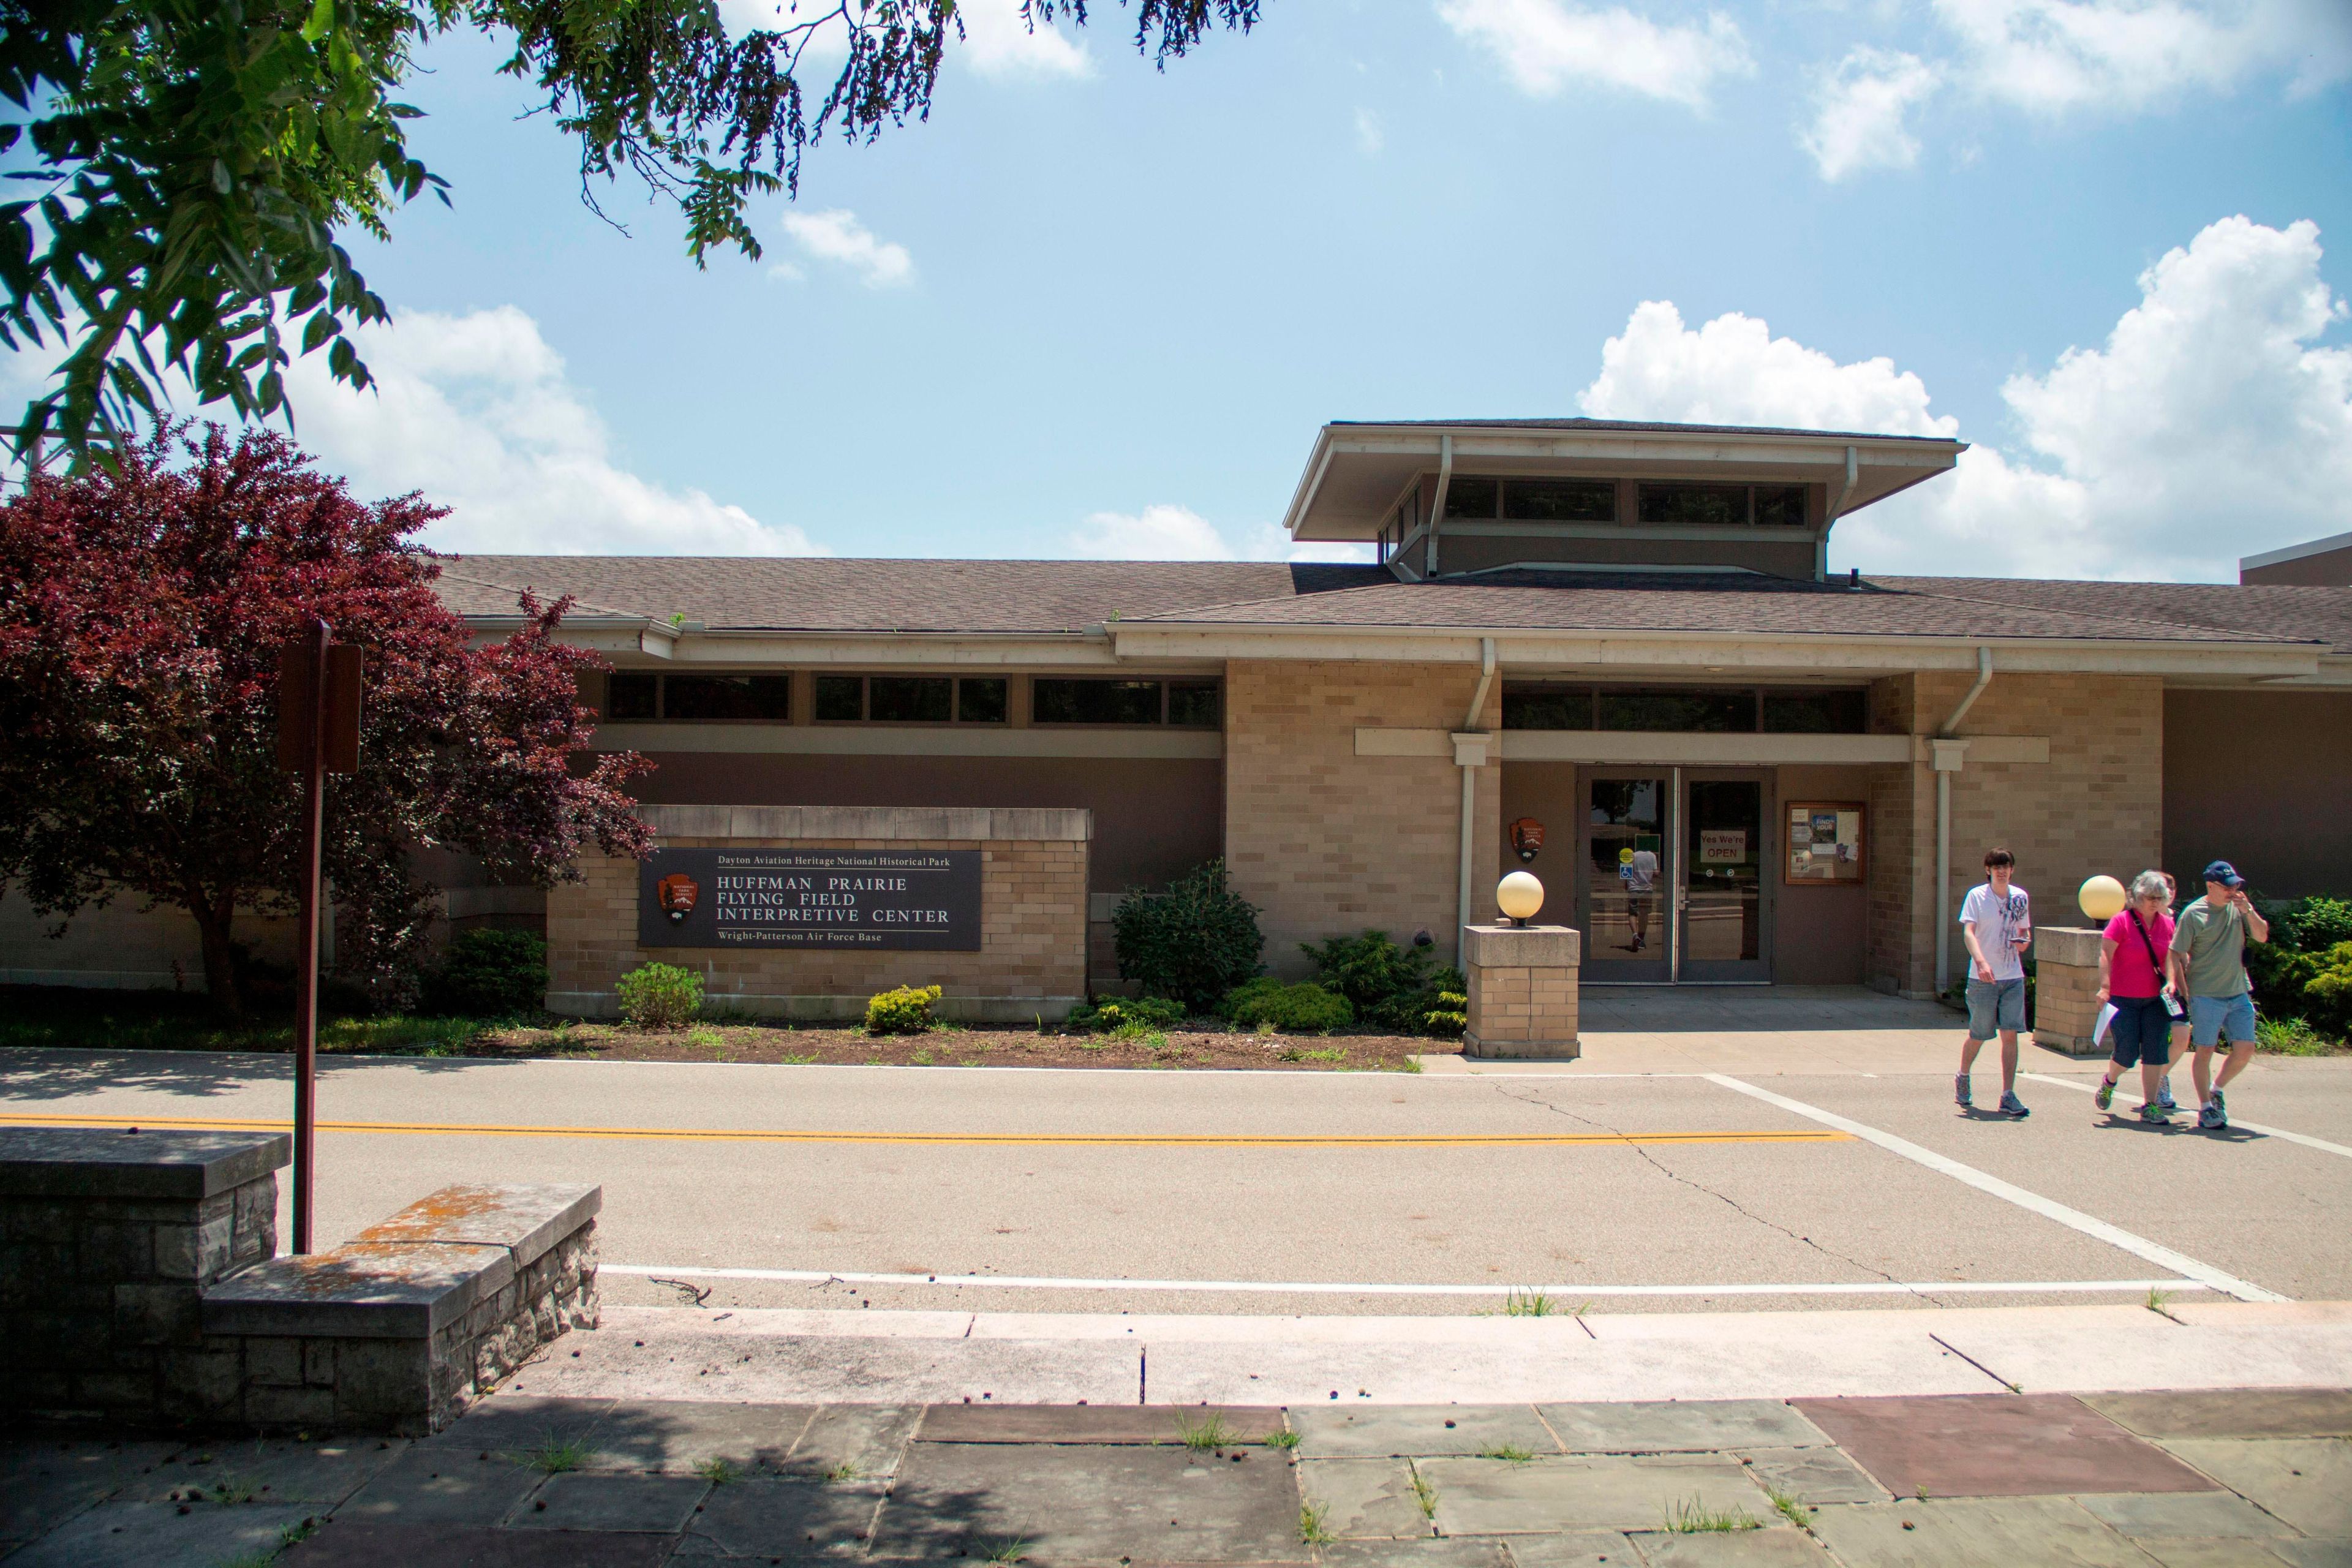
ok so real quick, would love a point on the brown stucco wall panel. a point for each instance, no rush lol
(2259, 779)
(1819, 933)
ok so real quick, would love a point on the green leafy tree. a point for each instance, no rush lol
(190, 165)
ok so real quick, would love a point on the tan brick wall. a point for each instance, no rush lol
(1513, 1005)
(1032, 903)
(1324, 841)
(2096, 805)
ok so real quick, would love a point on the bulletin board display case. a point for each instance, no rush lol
(1824, 840)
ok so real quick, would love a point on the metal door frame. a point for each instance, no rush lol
(1767, 780)
(1658, 971)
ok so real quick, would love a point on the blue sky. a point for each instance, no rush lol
(1094, 309)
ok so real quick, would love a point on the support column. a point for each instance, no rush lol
(1522, 982)
(2065, 989)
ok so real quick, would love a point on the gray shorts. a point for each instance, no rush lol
(1995, 1005)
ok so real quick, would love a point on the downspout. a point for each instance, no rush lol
(1947, 753)
(1837, 510)
(1470, 752)
(1437, 509)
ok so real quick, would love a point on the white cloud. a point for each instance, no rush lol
(1165, 532)
(1859, 113)
(2051, 56)
(837, 236)
(476, 411)
(2210, 424)
(999, 43)
(1546, 45)
(1369, 138)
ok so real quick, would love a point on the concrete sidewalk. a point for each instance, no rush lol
(1982, 1480)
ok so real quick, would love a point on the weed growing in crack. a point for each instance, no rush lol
(1212, 1431)
(718, 1472)
(1311, 1527)
(1425, 1495)
(554, 1456)
(1693, 1517)
(1786, 1505)
(1509, 1453)
(1521, 1303)
(1285, 1439)
(1012, 1551)
(847, 1470)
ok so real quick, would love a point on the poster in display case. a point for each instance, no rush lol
(1825, 842)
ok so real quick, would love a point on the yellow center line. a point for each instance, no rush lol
(1076, 1139)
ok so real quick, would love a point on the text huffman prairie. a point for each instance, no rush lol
(824, 898)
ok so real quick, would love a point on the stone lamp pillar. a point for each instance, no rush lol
(1522, 991)
(2065, 989)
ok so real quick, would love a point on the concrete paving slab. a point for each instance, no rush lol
(2306, 1481)
(1093, 1423)
(1419, 1429)
(1489, 1497)
(442, 1486)
(46, 1481)
(584, 1500)
(1972, 1532)
(675, 1436)
(2180, 1513)
(2239, 1413)
(794, 1521)
(2204, 1552)
(854, 1443)
(2082, 1354)
(1091, 1505)
(1996, 1445)
(1470, 1552)
(1577, 1549)
(1656, 1426)
(1744, 1549)
(2313, 1553)
(512, 1422)
(158, 1535)
(1364, 1498)
(346, 1544)
(272, 1470)
(1813, 1474)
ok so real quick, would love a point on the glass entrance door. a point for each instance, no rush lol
(1624, 875)
(1726, 908)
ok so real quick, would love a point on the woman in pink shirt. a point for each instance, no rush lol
(2132, 953)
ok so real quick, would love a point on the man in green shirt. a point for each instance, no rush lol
(2209, 968)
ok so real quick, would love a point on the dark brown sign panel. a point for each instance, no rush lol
(926, 899)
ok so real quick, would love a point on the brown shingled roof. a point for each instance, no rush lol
(829, 594)
(1734, 602)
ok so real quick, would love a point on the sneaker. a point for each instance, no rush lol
(1961, 1095)
(2153, 1112)
(2209, 1117)
(2011, 1106)
(2106, 1095)
(2164, 1094)
(2220, 1110)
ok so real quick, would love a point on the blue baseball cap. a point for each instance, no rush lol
(2221, 871)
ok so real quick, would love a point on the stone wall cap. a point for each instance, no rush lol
(527, 1218)
(1522, 947)
(980, 825)
(2076, 945)
(118, 1162)
(375, 1290)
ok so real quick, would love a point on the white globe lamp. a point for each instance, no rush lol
(2102, 899)
(1519, 896)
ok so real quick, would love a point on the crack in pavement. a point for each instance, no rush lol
(1533, 1099)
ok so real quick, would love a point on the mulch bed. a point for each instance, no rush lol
(960, 1046)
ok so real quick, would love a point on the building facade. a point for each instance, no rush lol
(1610, 653)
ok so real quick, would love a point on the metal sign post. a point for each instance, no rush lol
(318, 734)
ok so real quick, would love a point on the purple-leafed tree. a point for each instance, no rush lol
(141, 613)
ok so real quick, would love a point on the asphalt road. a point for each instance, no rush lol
(1390, 1193)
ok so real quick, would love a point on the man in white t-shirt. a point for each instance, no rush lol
(1997, 922)
(1639, 874)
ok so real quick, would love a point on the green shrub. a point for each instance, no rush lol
(487, 973)
(1390, 987)
(2328, 993)
(1126, 1017)
(1450, 1016)
(1306, 1008)
(906, 1010)
(1193, 943)
(2305, 933)
(660, 996)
